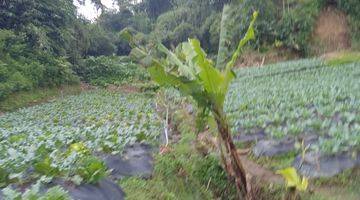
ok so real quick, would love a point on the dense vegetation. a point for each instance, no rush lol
(58, 139)
(48, 50)
(45, 43)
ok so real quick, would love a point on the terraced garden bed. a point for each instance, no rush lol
(303, 106)
(77, 140)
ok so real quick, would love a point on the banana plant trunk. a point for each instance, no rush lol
(231, 154)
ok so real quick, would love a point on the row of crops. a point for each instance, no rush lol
(64, 138)
(298, 98)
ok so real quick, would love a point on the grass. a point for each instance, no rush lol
(182, 173)
(343, 58)
(276, 162)
(342, 186)
(36, 96)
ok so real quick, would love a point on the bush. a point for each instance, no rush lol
(296, 25)
(182, 32)
(22, 68)
(351, 8)
(168, 22)
(210, 33)
(104, 70)
(101, 42)
(237, 23)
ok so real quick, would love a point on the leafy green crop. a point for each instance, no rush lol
(34, 193)
(59, 138)
(297, 98)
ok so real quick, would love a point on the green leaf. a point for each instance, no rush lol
(44, 167)
(56, 193)
(183, 69)
(225, 37)
(127, 36)
(4, 177)
(210, 77)
(293, 179)
(92, 169)
(228, 73)
(187, 87)
(250, 35)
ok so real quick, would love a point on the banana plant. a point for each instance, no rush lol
(188, 69)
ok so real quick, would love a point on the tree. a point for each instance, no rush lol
(115, 21)
(101, 42)
(197, 76)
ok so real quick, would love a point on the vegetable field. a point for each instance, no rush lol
(311, 106)
(299, 98)
(60, 139)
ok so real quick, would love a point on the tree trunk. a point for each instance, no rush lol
(231, 153)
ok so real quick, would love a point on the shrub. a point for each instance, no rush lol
(296, 25)
(351, 8)
(237, 23)
(168, 22)
(104, 70)
(182, 32)
(210, 32)
(22, 68)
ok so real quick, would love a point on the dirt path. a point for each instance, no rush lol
(261, 173)
(123, 88)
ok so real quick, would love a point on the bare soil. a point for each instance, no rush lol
(331, 31)
(256, 59)
(259, 172)
(85, 86)
(123, 88)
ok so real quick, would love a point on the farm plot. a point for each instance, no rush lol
(65, 138)
(301, 105)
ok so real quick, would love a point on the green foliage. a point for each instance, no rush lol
(209, 172)
(58, 139)
(296, 25)
(293, 180)
(101, 42)
(35, 96)
(297, 98)
(234, 25)
(182, 32)
(197, 75)
(140, 22)
(91, 169)
(43, 166)
(344, 58)
(22, 69)
(44, 24)
(193, 74)
(34, 193)
(210, 32)
(170, 21)
(105, 70)
(351, 8)
(115, 21)
(4, 177)
(182, 173)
